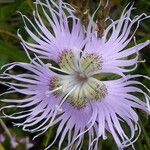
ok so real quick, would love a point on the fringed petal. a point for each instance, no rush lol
(51, 42)
(112, 46)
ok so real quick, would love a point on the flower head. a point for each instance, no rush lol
(69, 93)
(111, 49)
(2, 138)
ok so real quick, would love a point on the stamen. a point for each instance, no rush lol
(53, 91)
(78, 84)
(58, 107)
(78, 98)
(57, 69)
(96, 90)
(67, 61)
(90, 63)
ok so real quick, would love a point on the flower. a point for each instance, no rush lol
(2, 138)
(26, 142)
(111, 48)
(66, 91)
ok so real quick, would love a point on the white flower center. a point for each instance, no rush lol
(79, 77)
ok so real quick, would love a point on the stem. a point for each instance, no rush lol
(145, 134)
(100, 19)
(6, 129)
(103, 11)
(82, 10)
(100, 144)
(29, 2)
(146, 68)
(9, 33)
(49, 133)
(12, 141)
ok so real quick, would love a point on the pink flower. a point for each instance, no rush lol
(68, 93)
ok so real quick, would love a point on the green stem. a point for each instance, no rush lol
(29, 2)
(146, 68)
(6, 129)
(48, 135)
(147, 140)
(9, 34)
(12, 141)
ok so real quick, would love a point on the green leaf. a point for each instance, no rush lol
(30, 3)
(145, 134)
(48, 136)
(1, 147)
(12, 52)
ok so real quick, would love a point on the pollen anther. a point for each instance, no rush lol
(87, 88)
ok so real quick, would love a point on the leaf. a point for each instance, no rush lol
(1, 147)
(145, 134)
(48, 136)
(30, 3)
(12, 52)
(117, 1)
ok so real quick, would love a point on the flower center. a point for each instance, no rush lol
(81, 77)
(79, 81)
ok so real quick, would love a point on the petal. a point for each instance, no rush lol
(51, 42)
(113, 49)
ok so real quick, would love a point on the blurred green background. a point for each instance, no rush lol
(11, 50)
